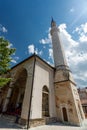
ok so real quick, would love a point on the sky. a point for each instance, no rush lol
(26, 24)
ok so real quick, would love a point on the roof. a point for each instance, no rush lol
(34, 55)
(84, 101)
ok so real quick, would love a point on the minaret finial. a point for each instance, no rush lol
(53, 23)
(52, 19)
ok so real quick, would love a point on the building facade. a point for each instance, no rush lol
(83, 97)
(41, 93)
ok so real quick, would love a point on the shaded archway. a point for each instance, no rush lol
(17, 95)
(64, 114)
(45, 102)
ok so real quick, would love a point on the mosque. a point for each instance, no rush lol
(40, 93)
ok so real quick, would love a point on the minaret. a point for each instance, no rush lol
(68, 105)
(58, 52)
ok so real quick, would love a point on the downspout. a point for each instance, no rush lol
(28, 126)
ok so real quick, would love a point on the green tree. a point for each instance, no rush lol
(5, 59)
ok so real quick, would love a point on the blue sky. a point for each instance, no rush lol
(26, 24)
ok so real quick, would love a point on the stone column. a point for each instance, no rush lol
(26, 100)
(8, 96)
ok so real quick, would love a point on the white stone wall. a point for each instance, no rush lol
(43, 76)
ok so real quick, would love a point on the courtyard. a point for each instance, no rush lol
(6, 124)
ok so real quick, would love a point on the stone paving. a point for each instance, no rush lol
(6, 124)
(58, 127)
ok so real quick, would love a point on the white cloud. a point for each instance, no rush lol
(14, 60)
(84, 27)
(76, 52)
(3, 29)
(38, 52)
(62, 27)
(83, 38)
(47, 39)
(77, 59)
(31, 49)
(43, 41)
(66, 37)
(72, 47)
(50, 53)
(82, 32)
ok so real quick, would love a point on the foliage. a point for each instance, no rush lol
(5, 59)
(4, 81)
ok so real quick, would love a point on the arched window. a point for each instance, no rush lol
(45, 102)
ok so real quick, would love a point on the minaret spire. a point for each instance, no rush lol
(58, 51)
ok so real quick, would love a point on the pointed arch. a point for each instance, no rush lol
(45, 101)
(45, 89)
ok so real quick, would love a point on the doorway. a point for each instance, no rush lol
(65, 117)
